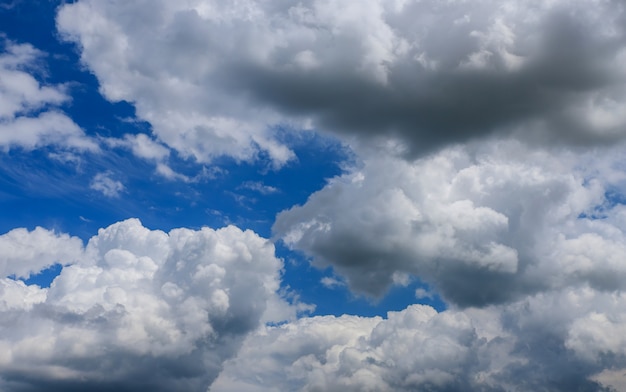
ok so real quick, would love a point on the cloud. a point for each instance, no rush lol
(142, 146)
(135, 300)
(259, 187)
(27, 252)
(28, 118)
(214, 78)
(331, 283)
(528, 345)
(102, 182)
(482, 224)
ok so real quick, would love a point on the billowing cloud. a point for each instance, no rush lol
(484, 223)
(550, 342)
(28, 118)
(213, 77)
(26, 252)
(137, 309)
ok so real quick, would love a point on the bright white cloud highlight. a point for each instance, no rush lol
(26, 252)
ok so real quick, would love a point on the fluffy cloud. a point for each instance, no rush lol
(550, 342)
(213, 77)
(138, 309)
(484, 223)
(102, 182)
(27, 117)
(26, 252)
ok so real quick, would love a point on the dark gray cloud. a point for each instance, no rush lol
(427, 73)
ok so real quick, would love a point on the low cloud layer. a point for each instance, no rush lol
(557, 341)
(137, 309)
(189, 304)
(213, 78)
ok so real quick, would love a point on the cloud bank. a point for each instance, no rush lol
(550, 342)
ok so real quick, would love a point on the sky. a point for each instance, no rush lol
(383, 195)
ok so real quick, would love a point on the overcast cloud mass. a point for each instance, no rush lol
(486, 164)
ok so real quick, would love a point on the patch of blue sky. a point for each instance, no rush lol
(45, 277)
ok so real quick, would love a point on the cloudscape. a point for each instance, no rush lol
(383, 195)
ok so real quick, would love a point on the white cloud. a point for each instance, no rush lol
(213, 78)
(26, 252)
(259, 187)
(331, 283)
(142, 146)
(167, 172)
(102, 182)
(28, 119)
(134, 301)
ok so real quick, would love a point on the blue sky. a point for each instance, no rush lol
(377, 196)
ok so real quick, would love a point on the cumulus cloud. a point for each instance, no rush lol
(26, 252)
(102, 182)
(137, 309)
(28, 118)
(213, 77)
(482, 224)
(550, 342)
